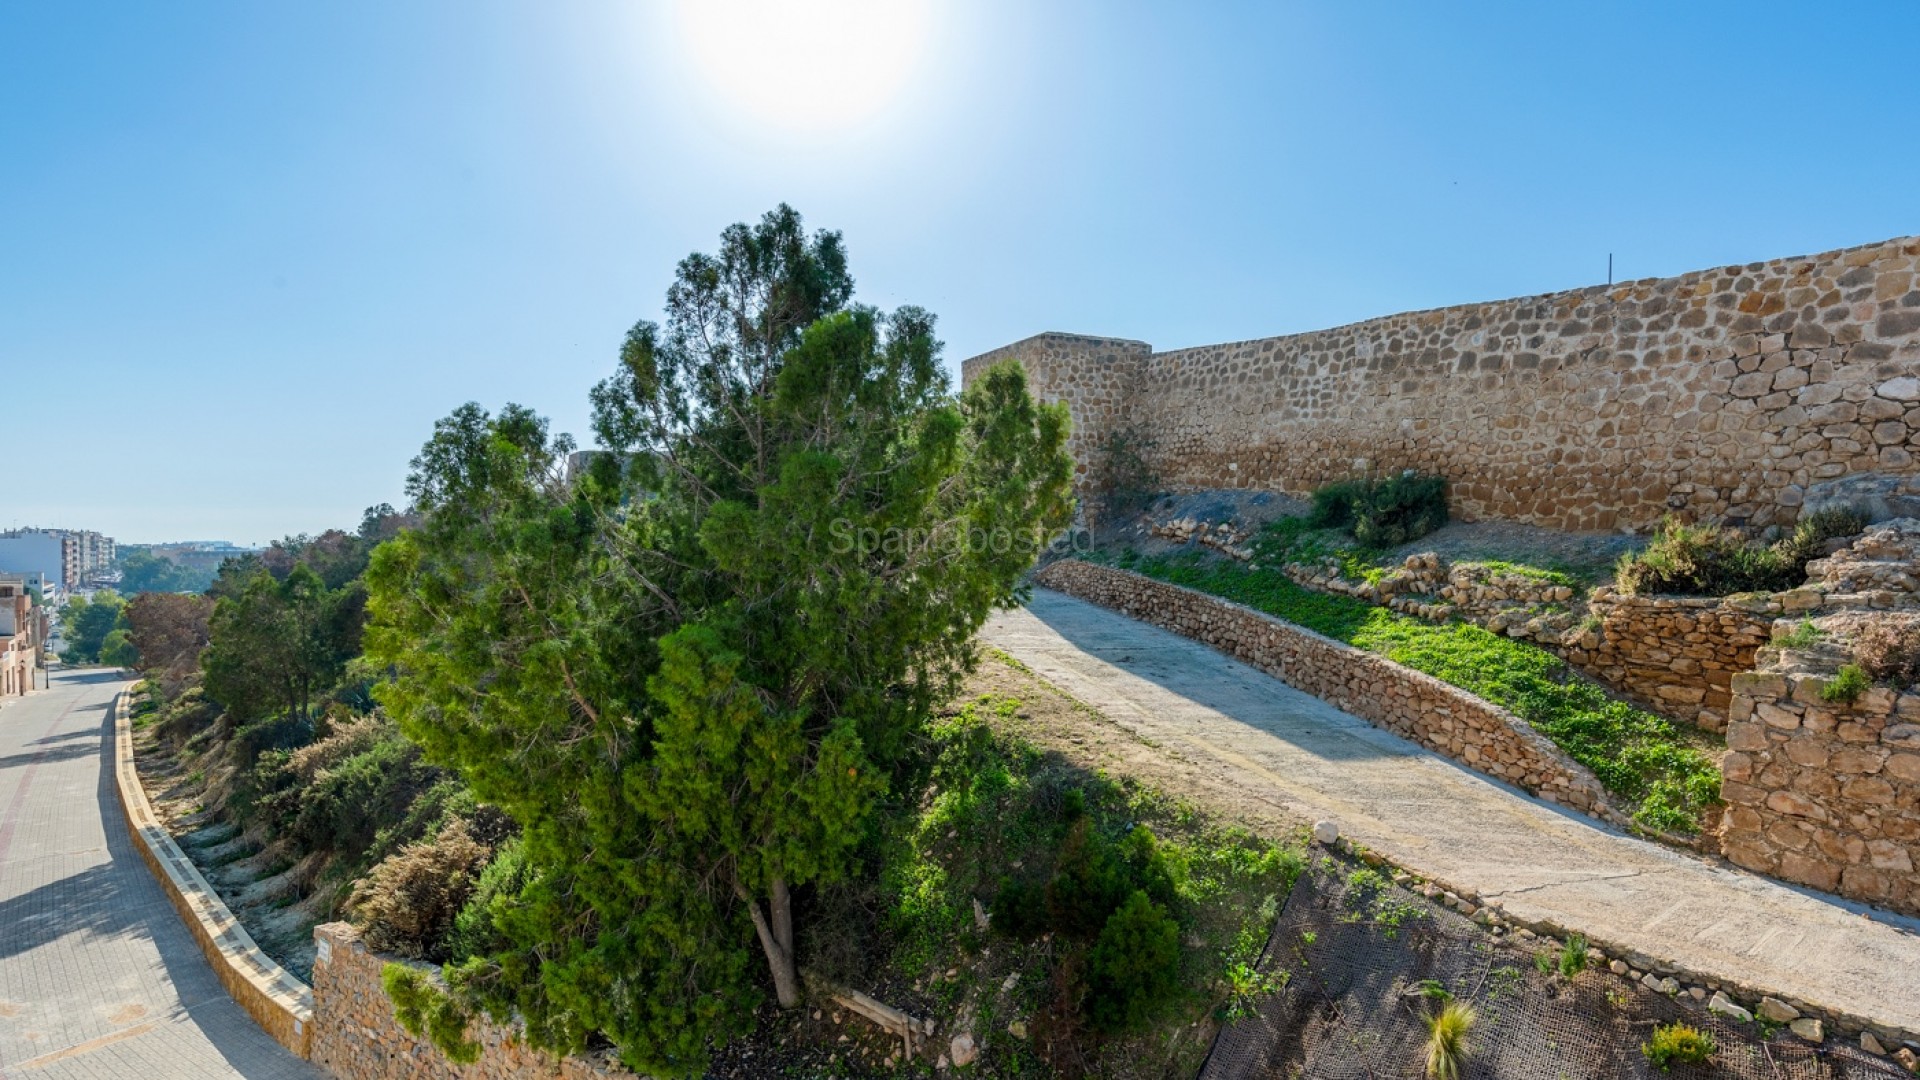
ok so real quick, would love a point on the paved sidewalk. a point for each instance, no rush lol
(98, 978)
(1264, 740)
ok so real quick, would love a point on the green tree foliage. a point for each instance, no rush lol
(118, 649)
(85, 625)
(141, 571)
(695, 673)
(277, 643)
(1135, 966)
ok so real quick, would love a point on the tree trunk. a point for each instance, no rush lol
(776, 940)
(780, 907)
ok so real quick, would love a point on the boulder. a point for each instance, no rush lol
(1809, 1029)
(1882, 495)
(1725, 1006)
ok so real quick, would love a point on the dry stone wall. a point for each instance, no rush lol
(1725, 393)
(1676, 655)
(1412, 705)
(1824, 793)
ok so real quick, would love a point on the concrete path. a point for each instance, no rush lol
(98, 978)
(1267, 741)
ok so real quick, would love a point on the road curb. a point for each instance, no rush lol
(280, 1003)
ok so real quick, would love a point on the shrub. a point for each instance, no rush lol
(409, 903)
(1398, 509)
(1382, 513)
(1712, 561)
(1809, 537)
(1888, 651)
(1677, 1043)
(186, 716)
(1093, 876)
(1447, 1031)
(1849, 683)
(275, 733)
(1333, 504)
(346, 805)
(1684, 558)
(1135, 965)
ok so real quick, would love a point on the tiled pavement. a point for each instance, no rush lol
(98, 978)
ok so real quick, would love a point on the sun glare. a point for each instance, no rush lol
(806, 65)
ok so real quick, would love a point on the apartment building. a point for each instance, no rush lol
(23, 631)
(70, 557)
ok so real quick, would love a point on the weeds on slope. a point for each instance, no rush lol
(1666, 774)
(1106, 923)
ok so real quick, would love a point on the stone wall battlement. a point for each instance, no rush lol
(1722, 393)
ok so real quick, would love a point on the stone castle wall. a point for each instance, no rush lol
(1721, 393)
(1410, 704)
(1824, 793)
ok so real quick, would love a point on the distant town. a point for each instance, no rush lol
(41, 569)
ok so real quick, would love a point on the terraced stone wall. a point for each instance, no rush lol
(1675, 655)
(1721, 393)
(1408, 703)
(1824, 793)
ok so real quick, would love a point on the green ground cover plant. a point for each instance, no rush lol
(1301, 539)
(1666, 775)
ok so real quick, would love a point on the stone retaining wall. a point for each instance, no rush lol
(1725, 393)
(1676, 655)
(357, 1038)
(1824, 793)
(1408, 703)
(281, 1004)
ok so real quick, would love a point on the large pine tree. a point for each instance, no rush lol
(693, 670)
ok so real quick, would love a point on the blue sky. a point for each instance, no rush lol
(250, 252)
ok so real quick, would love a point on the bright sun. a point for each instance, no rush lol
(806, 65)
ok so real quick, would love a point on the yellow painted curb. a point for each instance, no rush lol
(278, 1002)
